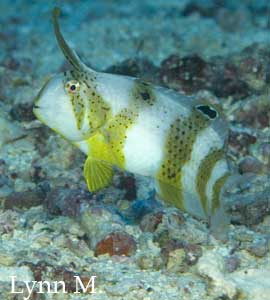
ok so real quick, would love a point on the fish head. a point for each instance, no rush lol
(61, 104)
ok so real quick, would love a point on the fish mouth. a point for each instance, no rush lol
(36, 111)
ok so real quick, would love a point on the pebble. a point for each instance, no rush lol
(151, 221)
(22, 112)
(193, 253)
(211, 265)
(121, 288)
(265, 150)
(176, 260)
(250, 209)
(25, 199)
(147, 260)
(136, 67)
(240, 142)
(9, 130)
(98, 222)
(22, 273)
(9, 220)
(244, 236)
(232, 263)
(21, 185)
(42, 241)
(192, 74)
(6, 259)
(250, 165)
(252, 283)
(116, 243)
(258, 248)
(141, 207)
(188, 73)
(128, 183)
(65, 201)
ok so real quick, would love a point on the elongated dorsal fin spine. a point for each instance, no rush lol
(69, 54)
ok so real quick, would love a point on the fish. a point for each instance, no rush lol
(125, 122)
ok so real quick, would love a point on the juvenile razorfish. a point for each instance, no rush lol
(126, 122)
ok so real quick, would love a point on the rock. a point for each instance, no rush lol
(265, 151)
(21, 185)
(5, 182)
(258, 248)
(151, 221)
(175, 228)
(148, 256)
(190, 73)
(98, 222)
(211, 265)
(244, 236)
(249, 209)
(240, 142)
(232, 263)
(176, 260)
(232, 21)
(116, 243)
(38, 175)
(120, 289)
(257, 115)
(25, 199)
(5, 191)
(6, 259)
(22, 112)
(228, 82)
(9, 130)
(128, 183)
(169, 247)
(9, 220)
(203, 8)
(11, 63)
(140, 208)
(61, 273)
(22, 273)
(65, 201)
(251, 284)
(190, 254)
(250, 165)
(136, 67)
(57, 273)
(149, 261)
(253, 63)
(163, 237)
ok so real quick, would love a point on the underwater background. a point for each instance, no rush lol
(52, 228)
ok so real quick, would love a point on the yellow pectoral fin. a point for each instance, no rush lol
(98, 173)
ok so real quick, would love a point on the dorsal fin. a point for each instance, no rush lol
(69, 54)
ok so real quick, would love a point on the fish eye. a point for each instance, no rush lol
(72, 86)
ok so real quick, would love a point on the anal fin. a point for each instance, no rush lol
(98, 173)
(170, 194)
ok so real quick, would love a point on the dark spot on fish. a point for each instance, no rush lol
(207, 110)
